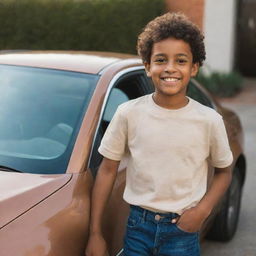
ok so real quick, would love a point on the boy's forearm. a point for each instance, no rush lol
(101, 192)
(220, 184)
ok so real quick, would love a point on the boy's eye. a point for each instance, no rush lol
(159, 60)
(182, 61)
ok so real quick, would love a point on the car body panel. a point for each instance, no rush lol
(25, 185)
(56, 226)
(88, 62)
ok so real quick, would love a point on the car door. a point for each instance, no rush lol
(129, 85)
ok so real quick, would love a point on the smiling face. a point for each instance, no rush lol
(171, 67)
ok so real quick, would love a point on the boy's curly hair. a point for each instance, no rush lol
(174, 25)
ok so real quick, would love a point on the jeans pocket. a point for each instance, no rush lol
(184, 231)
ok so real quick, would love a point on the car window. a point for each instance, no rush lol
(116, 98)
(41, 112)
(195, 93)
(128, 87)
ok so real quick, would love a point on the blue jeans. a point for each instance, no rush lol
(152, 234)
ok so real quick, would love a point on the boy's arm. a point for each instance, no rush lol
(101, 192)
(221, 181)
(192, 219)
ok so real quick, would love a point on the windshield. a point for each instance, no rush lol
(41, 111)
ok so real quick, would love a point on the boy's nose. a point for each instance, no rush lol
(170, 67)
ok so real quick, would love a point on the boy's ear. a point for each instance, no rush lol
(147, 68)
(195, 68)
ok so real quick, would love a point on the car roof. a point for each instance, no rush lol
(77, 61)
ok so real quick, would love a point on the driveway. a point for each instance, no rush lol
(244, 242)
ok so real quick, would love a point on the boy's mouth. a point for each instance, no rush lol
(170, 79)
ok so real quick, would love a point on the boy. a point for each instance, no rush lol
(170, 139)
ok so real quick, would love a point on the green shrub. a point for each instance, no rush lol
(105, 25)
(221, 84)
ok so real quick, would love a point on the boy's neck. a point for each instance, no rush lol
(170, 102)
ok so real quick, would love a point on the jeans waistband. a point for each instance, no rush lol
(155, 216)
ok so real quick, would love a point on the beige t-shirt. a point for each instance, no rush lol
(168, 150)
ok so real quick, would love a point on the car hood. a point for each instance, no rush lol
(21, 191)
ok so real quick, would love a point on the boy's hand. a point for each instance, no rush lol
(96, 246)
(191, 220)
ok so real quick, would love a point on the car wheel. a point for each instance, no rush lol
(225, 223)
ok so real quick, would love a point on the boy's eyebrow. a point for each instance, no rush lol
(159, 54)
(182, 55)
(179, 55)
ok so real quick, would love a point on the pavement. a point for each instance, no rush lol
(244, 242)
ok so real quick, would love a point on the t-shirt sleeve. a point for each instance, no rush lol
(113, 143)
(220, 153)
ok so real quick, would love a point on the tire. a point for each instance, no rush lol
(225, 223)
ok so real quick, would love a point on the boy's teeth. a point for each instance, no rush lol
(169, 79)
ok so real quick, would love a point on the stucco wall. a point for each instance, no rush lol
(219, 27)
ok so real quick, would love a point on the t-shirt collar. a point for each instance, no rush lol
(162, 109)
